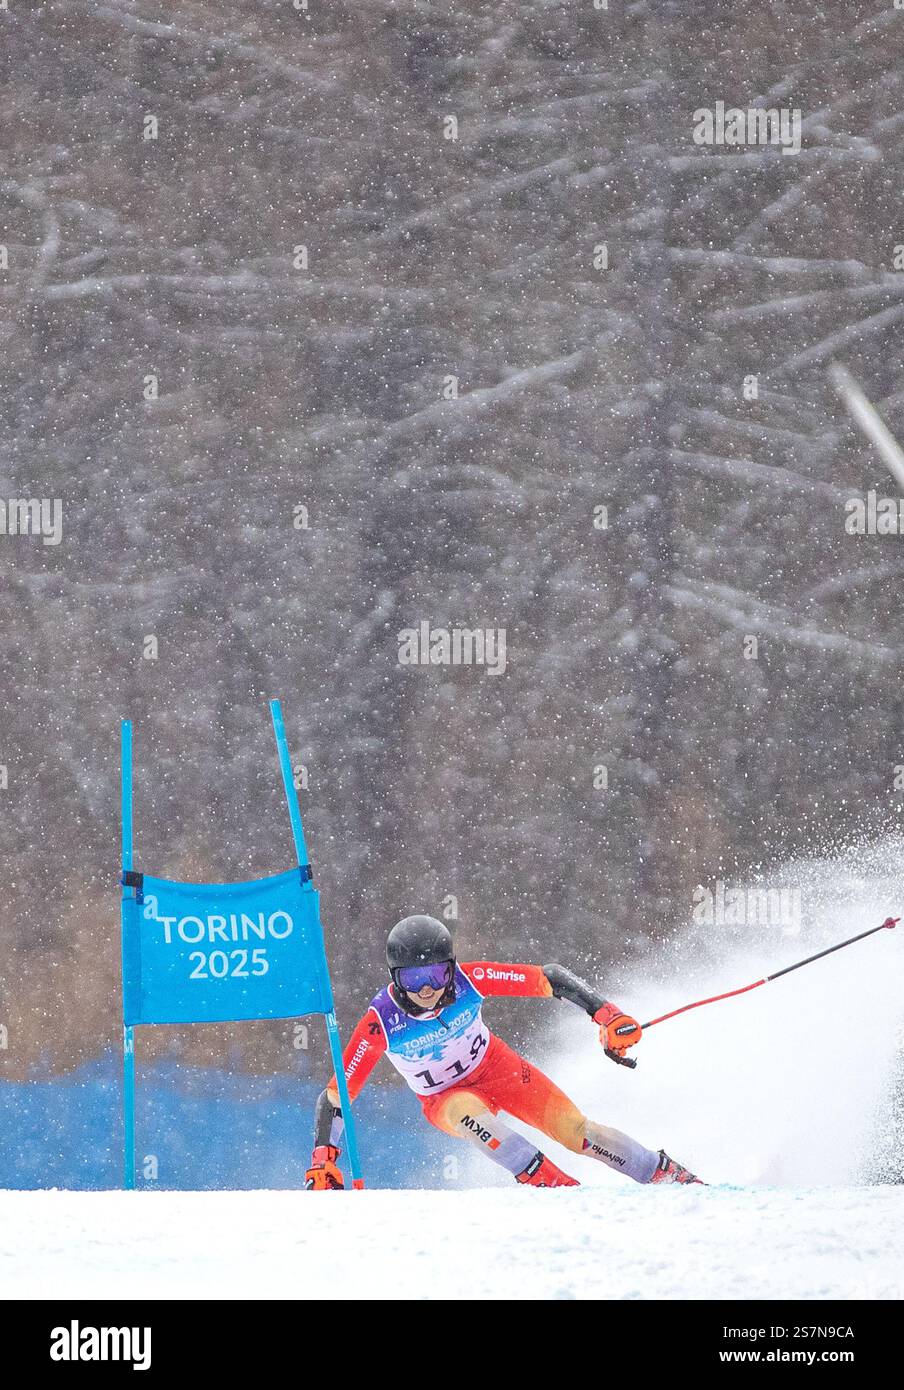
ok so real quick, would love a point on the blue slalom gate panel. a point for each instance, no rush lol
(213, 952)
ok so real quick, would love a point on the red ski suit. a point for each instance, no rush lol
(501, 1078)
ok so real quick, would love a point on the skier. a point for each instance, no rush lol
(428, 1022)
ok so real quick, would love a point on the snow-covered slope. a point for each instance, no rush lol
(618, 1242)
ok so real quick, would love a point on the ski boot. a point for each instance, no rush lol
(670, 1171)
(542, 1172)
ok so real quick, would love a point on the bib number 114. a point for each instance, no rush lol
(456, 1068)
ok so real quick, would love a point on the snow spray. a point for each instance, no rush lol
(797, 1085)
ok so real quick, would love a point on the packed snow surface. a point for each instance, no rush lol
(598, 1242)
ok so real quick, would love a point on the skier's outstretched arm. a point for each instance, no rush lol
(365, 1048)
(618, 1030)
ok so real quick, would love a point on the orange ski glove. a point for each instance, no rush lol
(618, 1031)
(323, 1174)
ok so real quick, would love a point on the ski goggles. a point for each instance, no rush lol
(413, 978)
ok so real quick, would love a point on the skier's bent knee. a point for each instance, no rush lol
(460, 1113)
(572, 1131)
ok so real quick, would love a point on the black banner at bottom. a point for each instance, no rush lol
(329, 1337)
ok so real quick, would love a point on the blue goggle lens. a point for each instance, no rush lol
(413, 978)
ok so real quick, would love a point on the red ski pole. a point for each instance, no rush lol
(776, 974)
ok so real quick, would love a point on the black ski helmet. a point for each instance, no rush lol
(419, 940)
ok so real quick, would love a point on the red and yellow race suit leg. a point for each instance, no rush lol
(465, 1111)
(506, 1081)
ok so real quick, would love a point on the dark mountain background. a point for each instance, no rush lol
(323, 386)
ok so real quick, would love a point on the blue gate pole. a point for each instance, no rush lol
(345, 1100)
(332, 1027)
(128, 1037)
(285, 765)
